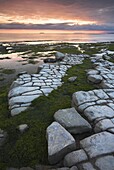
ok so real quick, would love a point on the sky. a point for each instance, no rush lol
(57, 14)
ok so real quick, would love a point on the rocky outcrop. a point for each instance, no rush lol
(29, 87)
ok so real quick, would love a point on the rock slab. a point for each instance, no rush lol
(98, 144)
(60, 142)
(72, 121)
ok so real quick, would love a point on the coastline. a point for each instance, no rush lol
(31, 145)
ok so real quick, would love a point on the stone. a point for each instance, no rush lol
(46, 90)
(93, 72)
(22, 128)
(101, 94)
(3, 136)
(81, 97)
(30, 84)
(72, 121)
(20, 90)
(105, 163)
(82, 107)
(95, 79)
(103, 125)
(35, 92)
(59, 56)
(87, 166)
(97, 111)
(18, 110)
(98, 144)
(75, 157)
(72, 79)
(60, 142)
(22, 99)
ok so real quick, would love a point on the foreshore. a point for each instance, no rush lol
(92, 66)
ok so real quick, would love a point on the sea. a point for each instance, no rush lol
(80, 36)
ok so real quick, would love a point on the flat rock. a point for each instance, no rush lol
(105, 163)
(75, 157)
(60, 142)
(93, 72)
(94, 112)
(72, 121)
(87, 166)
(101, 94)
(20, 90)
(95, 78)
(82, 97)
(22, 99)
(103, 125)
(18, 110)
(98, 144)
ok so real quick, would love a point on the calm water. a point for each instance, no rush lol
(77, 36)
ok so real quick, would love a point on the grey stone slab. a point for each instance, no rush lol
(72, 121)
(97, 111)
(22, 99)
(105, 163)
(103, 125)
(101, 102)
(27, 84)
(98, 144)
(106, 85)
(95, 79)
(87, 166)
(60, 142)
(111, 94)
(83, 97)
(38, 81)
(101, 94)
(93, 72)
(35, 92)
(17, 111)
(110, 76)
(75, 157)
(46, 90)
(82, 107)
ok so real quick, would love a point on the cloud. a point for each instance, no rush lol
(102, 12)
(61, 26)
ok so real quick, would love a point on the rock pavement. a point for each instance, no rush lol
(95, 109)
(29, 87)
(90, 119)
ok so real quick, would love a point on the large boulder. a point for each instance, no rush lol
(72, 121)
(60, 142)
